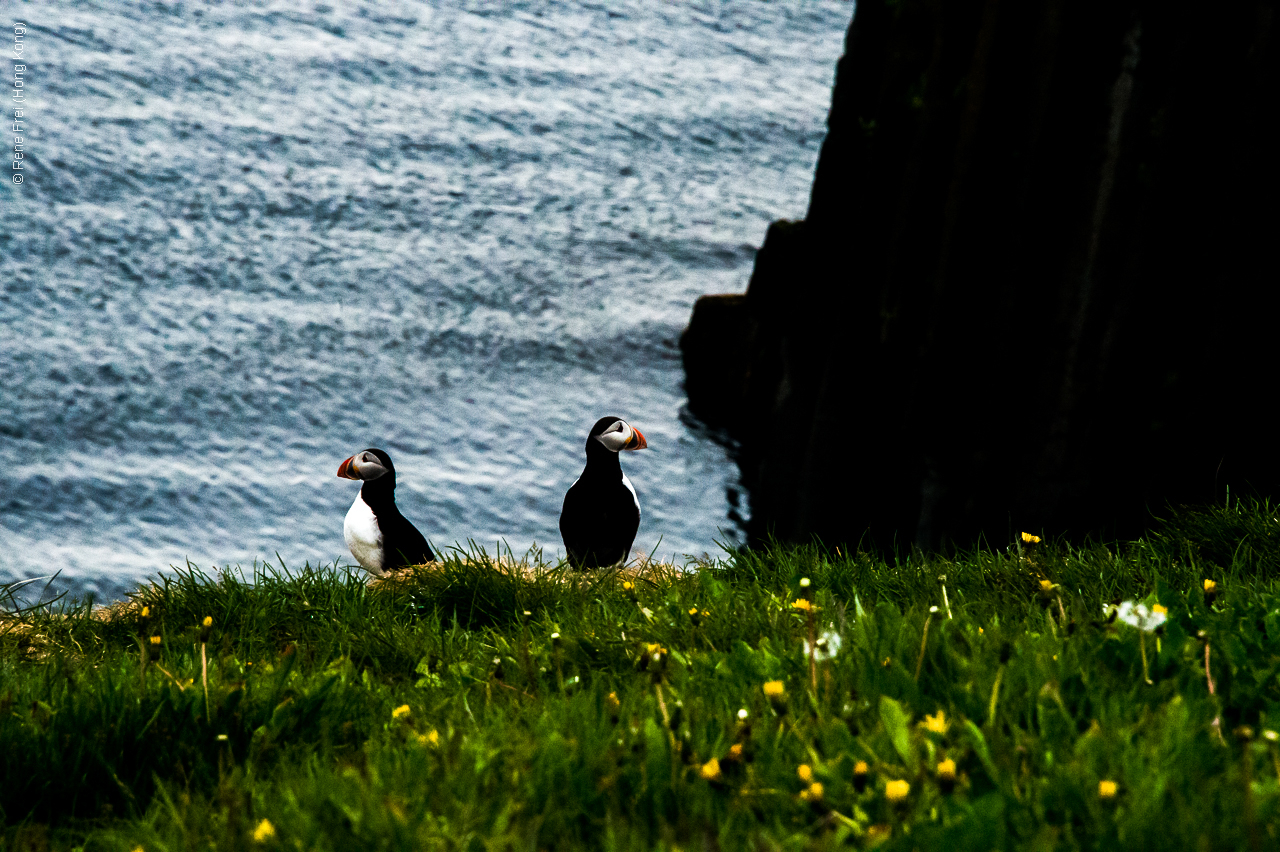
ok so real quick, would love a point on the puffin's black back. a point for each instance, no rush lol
(600, 515)
(402, 544)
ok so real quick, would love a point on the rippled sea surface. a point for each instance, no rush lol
(253, 240)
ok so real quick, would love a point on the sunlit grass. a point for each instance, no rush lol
(989, 700)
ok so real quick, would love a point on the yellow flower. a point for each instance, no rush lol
(657, 654)
(1030, 539)
(860, 776)
(628, 586)
(805, 772)
(774, 689)
(400, 712)
(208, 621)
(1210, 586)
(612, 701)
(431, 739)
(947, 770)
(138, 849)
(156, 640)
(146, 611)
(937, 724)
(803, 604)
(264, 831)
(1107, 789)
(710, 770)
(1159, 610)
(813, 793)
(735, 751)
(1046, 587)
(896, 791)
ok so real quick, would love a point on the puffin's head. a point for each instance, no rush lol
(366, 465)
(616, 434)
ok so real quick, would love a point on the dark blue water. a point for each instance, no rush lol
(253, 241)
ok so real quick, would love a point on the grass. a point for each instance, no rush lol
(983, 701)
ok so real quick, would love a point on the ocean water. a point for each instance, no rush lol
(254, 238)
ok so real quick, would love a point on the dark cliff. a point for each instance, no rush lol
(1036, 287)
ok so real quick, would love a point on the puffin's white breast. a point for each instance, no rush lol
(364, 536)
(632, 489)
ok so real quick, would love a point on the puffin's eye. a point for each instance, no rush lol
(617, 427)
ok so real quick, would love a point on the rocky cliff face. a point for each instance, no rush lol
(1036, 287)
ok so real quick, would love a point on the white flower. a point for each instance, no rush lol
(826, 647)
(1137, 615)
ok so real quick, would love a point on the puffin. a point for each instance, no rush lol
(601, 511)
(380, 538)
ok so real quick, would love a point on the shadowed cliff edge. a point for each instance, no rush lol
(1036, 286)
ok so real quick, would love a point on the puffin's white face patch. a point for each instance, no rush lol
(616, 436)
(366, 466)
(364, 536)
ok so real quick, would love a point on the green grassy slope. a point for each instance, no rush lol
(470, 708)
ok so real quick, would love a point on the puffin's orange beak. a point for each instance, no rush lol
(344, 469)
(637, 441)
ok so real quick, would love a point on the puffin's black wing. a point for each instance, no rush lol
(402, 544)
(598, 528)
